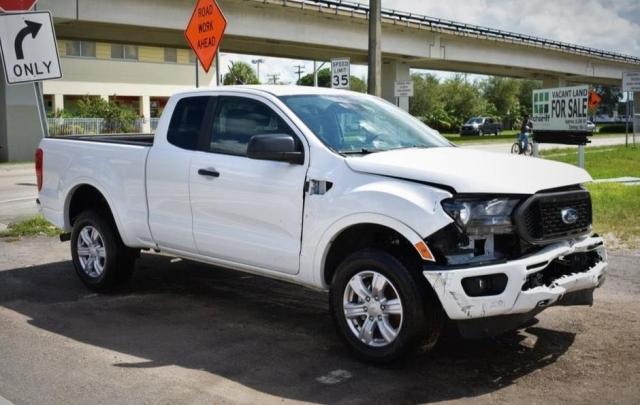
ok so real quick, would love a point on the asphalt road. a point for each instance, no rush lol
(182, 332)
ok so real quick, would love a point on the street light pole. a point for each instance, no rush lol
(375, 54)
(257, 62)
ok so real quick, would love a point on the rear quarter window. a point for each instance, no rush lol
(187, 122)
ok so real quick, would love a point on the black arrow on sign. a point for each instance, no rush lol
(32, 28)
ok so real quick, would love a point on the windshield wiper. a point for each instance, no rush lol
(362, 151)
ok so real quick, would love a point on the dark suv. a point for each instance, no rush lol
(481, 126)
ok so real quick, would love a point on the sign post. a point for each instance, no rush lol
(402, 88)
(630, 84)
(561, 115)
(205, 32)
(341, 73)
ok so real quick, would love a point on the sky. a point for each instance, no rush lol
(612, 25)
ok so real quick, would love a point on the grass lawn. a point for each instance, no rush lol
(616, 207)
(30, 227)
(504, 137)
(602, 162)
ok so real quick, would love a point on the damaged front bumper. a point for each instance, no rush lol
(532, 282)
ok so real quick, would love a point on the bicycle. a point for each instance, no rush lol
(517, 147)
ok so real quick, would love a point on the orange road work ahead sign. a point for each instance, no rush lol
(594, 99)
(205, 30)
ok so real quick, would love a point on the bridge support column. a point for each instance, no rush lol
(391, 72)
(58, 102)
(551, 82)
(145, 113)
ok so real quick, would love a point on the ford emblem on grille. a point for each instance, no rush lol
(569, 215)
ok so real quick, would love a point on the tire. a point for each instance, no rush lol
(100, 258)
(515, 148)
(393, 329)
(480, 132)
(529, 150)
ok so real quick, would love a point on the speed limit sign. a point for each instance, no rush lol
(341, 73)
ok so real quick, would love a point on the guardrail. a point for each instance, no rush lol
(95, 126)
(440, 24)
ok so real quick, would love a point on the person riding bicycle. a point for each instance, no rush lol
(525, 130)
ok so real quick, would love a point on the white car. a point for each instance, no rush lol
(337, 191)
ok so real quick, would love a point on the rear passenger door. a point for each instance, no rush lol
(247, 211)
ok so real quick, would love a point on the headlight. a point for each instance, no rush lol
(481, 216)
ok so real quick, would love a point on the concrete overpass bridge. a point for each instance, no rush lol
(323, 29)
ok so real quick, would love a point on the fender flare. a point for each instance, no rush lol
(324, 244)
(79, 182)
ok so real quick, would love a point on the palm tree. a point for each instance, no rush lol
(240, 73)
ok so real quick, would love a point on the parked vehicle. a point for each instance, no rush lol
(333, 190)
(591, 127)
(481, 126)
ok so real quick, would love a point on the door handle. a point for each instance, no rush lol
(208, 173)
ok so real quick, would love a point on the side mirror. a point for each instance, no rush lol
(278, 147)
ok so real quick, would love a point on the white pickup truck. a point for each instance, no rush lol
(337, 191)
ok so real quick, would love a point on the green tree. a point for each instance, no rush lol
(462, 100)
(427, 102)
(503, 96)
(240, 73)
(117, 118)
(527, 86)
(611, 96)
(324, 80)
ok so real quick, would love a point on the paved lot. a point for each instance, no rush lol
(188, 333)
(17, 192)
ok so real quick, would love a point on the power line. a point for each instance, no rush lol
(274, 78)
(299, 71)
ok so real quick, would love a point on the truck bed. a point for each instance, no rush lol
(139, 139)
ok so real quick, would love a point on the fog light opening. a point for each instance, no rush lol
(482, 286)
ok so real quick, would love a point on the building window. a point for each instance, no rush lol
(119, 51)
(192, 57)
(170, 55)
(86, 49)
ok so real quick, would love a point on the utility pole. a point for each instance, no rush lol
(299, 71)
(257, 62)
(274, 78)
(375, 53)
(316, 69)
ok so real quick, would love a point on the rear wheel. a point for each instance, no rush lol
(377, 306)
(529, 150)
(100, 258)
(515, 148)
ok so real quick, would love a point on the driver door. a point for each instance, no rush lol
(247, 211)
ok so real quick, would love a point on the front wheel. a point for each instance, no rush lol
(100, 258)
(378, 307)
(515, 148)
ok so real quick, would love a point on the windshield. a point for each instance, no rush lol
(361, 124)
(475, 120)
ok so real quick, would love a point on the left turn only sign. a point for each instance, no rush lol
(29, 48)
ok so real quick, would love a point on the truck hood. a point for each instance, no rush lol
(471, 171)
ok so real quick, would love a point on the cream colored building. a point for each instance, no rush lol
(142, 77)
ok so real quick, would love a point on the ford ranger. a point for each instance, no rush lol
(337, 191)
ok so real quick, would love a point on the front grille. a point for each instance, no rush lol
(539, 219)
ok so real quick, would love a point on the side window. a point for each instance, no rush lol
(237, 119)
(186, 122)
